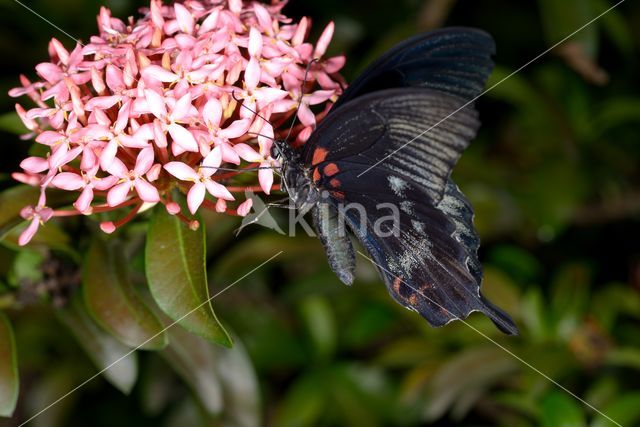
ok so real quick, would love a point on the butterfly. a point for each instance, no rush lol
(373, 149)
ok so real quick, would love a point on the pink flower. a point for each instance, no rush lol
(37, 215)
(202, 182)
(133, 179)
(245, 207)
(182, 98)
(87, 182)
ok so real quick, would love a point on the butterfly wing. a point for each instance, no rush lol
(454, 60)
(427, 257)
(389, 125)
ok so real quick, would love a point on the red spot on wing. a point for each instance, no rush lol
(413, 299)
(319, 154)
(335, 183)
(338, 194)
(396, 284)
(331, 169)
(316, 175)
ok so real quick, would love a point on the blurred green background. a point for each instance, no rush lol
(553, 176)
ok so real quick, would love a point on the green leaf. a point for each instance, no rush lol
(320, 324)
(11, 203)
(49, 236)
(103, 350)
(562, 18)
(304, 403)
(175, 266)
(193, 359)
(561, 410)
(9, 381)
(26, 267)
(625, 411)
(50, 385)
(477, 369)
(112, 301)
(10, 122)
(240, 385)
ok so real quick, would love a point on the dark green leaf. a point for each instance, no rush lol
(320, 324)
(118, 361)
(194, 360)
(112, 301)
(175, 266)
(11, 123)
(561, 410)
(240, 385)
(49, 387)
(475, 369)
(9, 382)
(11, 203)
(304, 403)
(562, 18)
(625, 410)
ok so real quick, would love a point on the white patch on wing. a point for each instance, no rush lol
(417, 225)
(397, 185)
(407, 207)
(411, 259)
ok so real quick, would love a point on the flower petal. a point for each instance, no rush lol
(68, 181)
(247, 153)
(184, 18)
(183, 137)
(255, 42)
(252, 74)
(117, 168)
(182, 107)
(155, 102)
(156, 72)
(212, 113)
(324, 40)
(108, 155)
(221, 205)
(212, 161)
(144, 161)
(181, 171)
(195, 197)
(147, 192)
(29, 232)
(118, 194)
(34, 164)
(84, 201)
(265, 177)
(218, 190)
(245, 207)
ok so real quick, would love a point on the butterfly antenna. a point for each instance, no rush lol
(304, 82)
(233, 94)
(259, 134)
(238, 170)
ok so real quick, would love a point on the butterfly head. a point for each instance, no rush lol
(295, 177)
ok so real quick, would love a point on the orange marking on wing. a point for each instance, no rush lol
(413, 299)
(338, 194)
(396, 284)
(319, 154)
(316, 175)
(331, 169)
(335, 183)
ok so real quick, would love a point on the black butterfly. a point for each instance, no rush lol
(429, 262)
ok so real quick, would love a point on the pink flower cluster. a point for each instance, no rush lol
(187, 97)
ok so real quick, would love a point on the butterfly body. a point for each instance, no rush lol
(379, 165)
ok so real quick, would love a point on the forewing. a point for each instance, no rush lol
(454, 60)
(406, 133)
